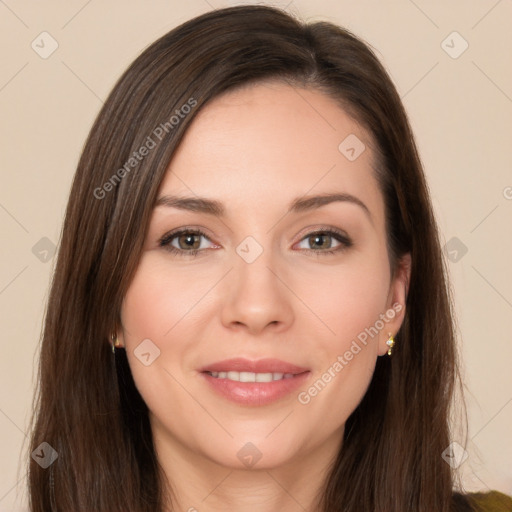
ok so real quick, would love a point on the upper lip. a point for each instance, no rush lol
(240, 364)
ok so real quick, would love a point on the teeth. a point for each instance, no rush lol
(250, 376)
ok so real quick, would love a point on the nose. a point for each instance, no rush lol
(256, 297)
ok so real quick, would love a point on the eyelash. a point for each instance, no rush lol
(344, 240)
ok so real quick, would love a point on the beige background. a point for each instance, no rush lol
(460, 109)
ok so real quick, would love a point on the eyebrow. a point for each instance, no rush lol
(298, 205)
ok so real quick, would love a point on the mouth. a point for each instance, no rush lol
(251, 376)
(254, 383)
(247, 366)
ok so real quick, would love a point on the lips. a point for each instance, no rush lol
(254, 383)
(260, 366)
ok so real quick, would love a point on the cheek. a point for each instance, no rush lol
(158, 300)
(158, 308)
(162, 306)
(347, 298)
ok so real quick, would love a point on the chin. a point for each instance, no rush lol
(252, 453)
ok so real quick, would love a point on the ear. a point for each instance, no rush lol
(397, 297)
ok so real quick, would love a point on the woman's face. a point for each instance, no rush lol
(277, 275)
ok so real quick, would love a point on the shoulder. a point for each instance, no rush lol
(492, 501)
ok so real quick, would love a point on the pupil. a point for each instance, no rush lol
(317, 239)
(189, 241)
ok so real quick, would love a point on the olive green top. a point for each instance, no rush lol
(493, 501)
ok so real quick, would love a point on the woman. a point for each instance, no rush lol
(249, 310)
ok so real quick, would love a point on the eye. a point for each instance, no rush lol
(322, 242)
(188, 242)
(184, 242)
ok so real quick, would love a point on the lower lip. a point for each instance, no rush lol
(255, 393)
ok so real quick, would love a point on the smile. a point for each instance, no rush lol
(251, 376)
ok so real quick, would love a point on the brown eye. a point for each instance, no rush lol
(189, 241)
(325, 242)
(320, 240)
(185, 242)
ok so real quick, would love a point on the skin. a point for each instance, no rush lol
(255, 150)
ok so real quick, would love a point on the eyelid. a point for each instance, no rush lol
(312, 230)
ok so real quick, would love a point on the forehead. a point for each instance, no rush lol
(268, 142)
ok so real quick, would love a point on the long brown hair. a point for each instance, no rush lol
(87, 407)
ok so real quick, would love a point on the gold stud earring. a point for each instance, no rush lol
(390, 343)
(115, 342)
